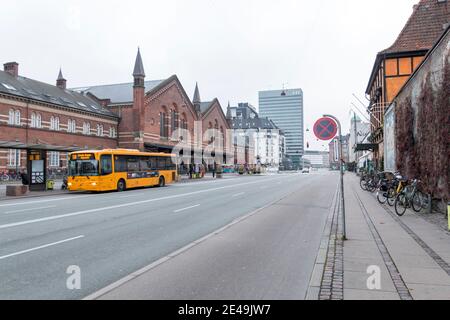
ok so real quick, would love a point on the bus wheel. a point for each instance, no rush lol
(121, 185)
(162, 182)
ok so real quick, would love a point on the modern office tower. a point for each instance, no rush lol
(285, 109)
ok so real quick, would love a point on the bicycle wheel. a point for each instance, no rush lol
(391, 195)
(363, 184)
(382, 196)
(417, 201)
(425, 201)
(400, 204)
(371, 186)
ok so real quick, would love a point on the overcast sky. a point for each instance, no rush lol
(233, 48)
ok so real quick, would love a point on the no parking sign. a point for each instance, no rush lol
(325, 129)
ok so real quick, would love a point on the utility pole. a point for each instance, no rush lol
(341, 155)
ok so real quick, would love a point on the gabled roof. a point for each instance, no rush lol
(117, 93)
(204, 106)
(426, 24)
(44, 92)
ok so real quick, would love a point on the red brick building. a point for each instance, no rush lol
(153, 115)
(39, 116)
(157, 115)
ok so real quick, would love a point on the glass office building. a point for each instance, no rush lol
(285, 109)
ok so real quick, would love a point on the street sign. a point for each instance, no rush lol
(325, 129)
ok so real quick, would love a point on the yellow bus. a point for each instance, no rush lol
(119, 169)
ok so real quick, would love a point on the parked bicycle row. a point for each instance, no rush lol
(396, 190)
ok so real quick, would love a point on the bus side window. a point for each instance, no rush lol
(154, 163)
(145, 164)
(120, 164)
(161, 163)
(133, 164)
(106, 164)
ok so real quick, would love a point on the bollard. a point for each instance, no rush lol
(448, 215)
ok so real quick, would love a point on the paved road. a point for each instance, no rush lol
(114, 234)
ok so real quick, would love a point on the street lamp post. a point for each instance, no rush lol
(341, 155)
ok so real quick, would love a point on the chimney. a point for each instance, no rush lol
(12, 68)
(61, 82)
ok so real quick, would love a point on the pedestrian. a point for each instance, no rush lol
(24, 178)
(191, 171)
(214, 169)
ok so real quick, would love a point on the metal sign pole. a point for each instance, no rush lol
(341, 155)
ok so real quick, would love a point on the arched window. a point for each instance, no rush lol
(33, 120)
(54, 123)
(71, 126)
(163, 123)
(112, 132)
(11, 117)
(38, 121)
(86, 128)
(99, 130)
(17, 121)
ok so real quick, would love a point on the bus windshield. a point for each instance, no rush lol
(83, 168)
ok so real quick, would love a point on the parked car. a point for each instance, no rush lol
(305, 170)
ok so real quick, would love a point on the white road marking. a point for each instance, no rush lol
(187, 208)
(30, 209)
(41, 201)
(129, 204)
(40, 247)
(134, 275)
(238, 194)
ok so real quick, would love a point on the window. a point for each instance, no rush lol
(120, 164)
(11, 117)
(174, 119)
(112, 132)
(162, 125)
(106, 164)
(99, 130)
(33, 120)
(86, 128)
(132, 164)
(17, 121)
(8, 86)
(71, 126)
(53, 159)
(38, 120)
(13, 158)
(54, 123)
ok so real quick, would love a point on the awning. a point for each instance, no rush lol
(366, 147)
(48, 147)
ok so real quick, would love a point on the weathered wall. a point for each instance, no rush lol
(422, 124)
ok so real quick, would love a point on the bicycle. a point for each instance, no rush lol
(409, 197)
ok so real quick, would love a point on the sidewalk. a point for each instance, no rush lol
(56, 191)
(412, 254)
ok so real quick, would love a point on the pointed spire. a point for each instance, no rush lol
(60, 75)
(61, 82)
(139, 66)
(229, 111)
(196, 95)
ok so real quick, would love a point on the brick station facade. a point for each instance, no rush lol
(153, 115)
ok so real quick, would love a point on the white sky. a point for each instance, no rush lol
(233, 48)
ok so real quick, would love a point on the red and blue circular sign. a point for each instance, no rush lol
(325, 129)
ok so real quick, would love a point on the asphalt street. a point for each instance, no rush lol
(111, 235)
